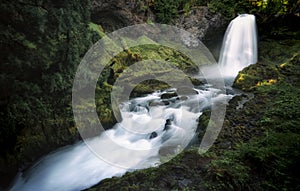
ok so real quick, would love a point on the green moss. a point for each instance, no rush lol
(257, 147)
(266, 159)
(29, 44)
(123, 65)
(147, 87)
(246, 82)
(168, 176)
(276, 63)
(97, 28)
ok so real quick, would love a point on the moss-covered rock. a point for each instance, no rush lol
(181, 173)
(257, 147)
(275, 58)
(123, 66)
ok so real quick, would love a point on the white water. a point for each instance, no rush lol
(75, 167)
(155, 126)
(239, 48)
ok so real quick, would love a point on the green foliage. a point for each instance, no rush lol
(266, 10)
(275, 7)
(272, 158)
(268, 159)
(123, 60)
(284, 112)
(277, 63)
(42, 42)
(226, 8)
(270, 162)
(97, 32)
(231, 8)
(167, 10)
(228, 173)
(275, 158)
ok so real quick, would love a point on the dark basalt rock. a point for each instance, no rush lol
(200, 21)
(168, 95)
(153, 135)
(185, 90)
(206, 26)
(167, 125)
(115, 14)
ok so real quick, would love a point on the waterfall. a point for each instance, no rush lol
(172, 123)
(153, 124)
(239, 48)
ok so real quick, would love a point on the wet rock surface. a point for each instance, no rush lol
(205, 26)
(200, 21)
(248, 116)
(115, 14)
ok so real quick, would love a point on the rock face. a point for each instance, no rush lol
(115, 14)
(270, 105)
(207, 27)
(201, 22)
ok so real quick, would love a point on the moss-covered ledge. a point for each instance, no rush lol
(257, 147)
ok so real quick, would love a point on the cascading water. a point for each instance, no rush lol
(239, 48)
(173, 121)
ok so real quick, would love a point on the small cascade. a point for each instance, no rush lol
(239, 48)
(159, 127)
(154, 124)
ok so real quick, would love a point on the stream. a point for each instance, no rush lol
(171, 123)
